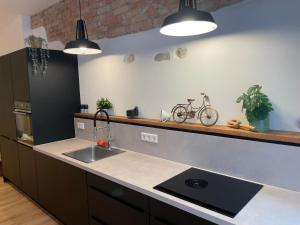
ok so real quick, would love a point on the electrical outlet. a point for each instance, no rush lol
(152, 138)
(80, 126)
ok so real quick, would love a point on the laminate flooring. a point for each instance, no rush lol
(17, 209)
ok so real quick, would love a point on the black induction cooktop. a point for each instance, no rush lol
(219, 193)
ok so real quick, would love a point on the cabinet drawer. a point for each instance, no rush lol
(116, 191)
(109, 211)
(95, 221)
(163, 214)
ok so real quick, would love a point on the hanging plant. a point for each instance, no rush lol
(39, 53)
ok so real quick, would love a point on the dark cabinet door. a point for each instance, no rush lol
(163, 214)
(103, 209)
(19, 66)
(154, 221)
(95, 221)
(28, 171)
(7, 118)
(10, 160)
(107, 198)
(62, 190)
(55, 98)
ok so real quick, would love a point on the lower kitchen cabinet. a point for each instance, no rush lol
(10, 160)
(28, 171)
(113, 204)
(62, 190)
(163, 214)
(76, 197)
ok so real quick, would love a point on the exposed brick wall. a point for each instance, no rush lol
(110, 18)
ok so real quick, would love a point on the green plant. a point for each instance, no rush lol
(256, 104)
(39, 52)
(104, 103)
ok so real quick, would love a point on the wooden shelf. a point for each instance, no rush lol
(280, 137)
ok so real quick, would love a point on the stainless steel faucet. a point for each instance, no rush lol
(108, 127)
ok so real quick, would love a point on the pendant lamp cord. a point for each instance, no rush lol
(79, 9)
(187, 3)
(81, 26)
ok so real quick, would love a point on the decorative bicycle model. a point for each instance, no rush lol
(205, 113)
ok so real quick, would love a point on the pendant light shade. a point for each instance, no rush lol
(188, 21)
(82, 45)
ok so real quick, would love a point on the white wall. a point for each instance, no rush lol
(13, 30)
(258, 42)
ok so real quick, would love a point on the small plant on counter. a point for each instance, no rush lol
(257, 106)
(104, 103)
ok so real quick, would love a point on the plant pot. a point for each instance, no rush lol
(262, 125)
(106, 110)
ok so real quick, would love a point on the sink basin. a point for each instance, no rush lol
(92, 154)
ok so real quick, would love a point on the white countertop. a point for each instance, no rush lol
(140, 172)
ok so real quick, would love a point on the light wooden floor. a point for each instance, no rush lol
(17, 209)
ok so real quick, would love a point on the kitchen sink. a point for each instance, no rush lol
(92, 154)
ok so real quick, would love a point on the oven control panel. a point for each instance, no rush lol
(23, 106)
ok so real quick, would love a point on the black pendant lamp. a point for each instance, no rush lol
(82, 45)
(188, 21)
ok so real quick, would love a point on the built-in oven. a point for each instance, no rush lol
(22, 111)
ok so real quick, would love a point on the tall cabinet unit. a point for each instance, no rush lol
(8, 145)
(54, 98)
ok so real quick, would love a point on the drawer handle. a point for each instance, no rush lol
(163, 221)
(99, 221)
(117, 199)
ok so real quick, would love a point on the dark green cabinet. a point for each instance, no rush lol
(7, 118)
(19, 67)
(10, 160)
(62, 190)
(28, 171)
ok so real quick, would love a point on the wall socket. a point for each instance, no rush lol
(80, 126)
(152, 138)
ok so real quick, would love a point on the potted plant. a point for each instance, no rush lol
(39, 52)
(257, 106)
(104, 104)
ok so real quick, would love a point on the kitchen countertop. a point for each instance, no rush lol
(140, 172)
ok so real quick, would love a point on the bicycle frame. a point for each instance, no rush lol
(189, 107)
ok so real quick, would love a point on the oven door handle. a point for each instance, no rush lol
(21, 113)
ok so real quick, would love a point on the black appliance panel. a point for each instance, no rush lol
(219, 193)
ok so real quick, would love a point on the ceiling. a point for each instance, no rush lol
(24, 7)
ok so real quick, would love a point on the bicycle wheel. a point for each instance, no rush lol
(208, 116)
(180, 114)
